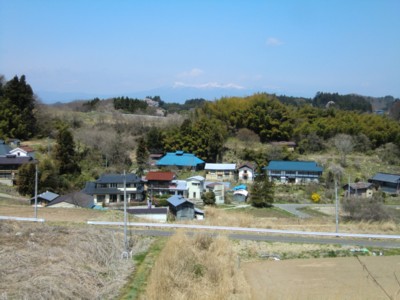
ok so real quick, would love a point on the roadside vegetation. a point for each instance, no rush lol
(44, 261)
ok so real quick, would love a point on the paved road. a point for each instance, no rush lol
(284, 239)
(294, 209)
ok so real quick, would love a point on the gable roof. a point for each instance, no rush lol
(211, 166)
(386, 177)
(247, 164)
(180, 159)
(117, 178)
(76, 198)
(358, 185)
(310, 166)
(177, 200)
(48, 196)
(160, 176)
(197, 177)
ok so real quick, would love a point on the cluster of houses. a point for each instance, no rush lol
(183, 195)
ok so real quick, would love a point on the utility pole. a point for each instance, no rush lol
(36, 188)
(125, 254)
(336, 207)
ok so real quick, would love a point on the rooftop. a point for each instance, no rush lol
(211, 166)
(180, 159)
(310, 166)
(160, 176)
(386, 177)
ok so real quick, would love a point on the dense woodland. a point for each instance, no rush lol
(75, 151)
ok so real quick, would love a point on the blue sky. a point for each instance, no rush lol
(127, 47)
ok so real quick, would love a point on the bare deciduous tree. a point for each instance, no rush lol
(344, 144)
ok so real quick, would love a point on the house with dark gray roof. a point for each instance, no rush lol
(293, 171)
(109, 188)
(74, 199)
(386, 182)
(9, 165)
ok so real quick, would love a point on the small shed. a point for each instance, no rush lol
(44, 199)
(181, 208)
(359, 189)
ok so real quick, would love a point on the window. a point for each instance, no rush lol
(113, 198)
(194, 195)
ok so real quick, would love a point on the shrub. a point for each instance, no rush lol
(365, 209)
(315, 197)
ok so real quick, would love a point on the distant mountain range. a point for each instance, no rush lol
(167, 94)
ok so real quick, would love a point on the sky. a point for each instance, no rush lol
(193, 48)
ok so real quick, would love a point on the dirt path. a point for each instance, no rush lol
(327, 278)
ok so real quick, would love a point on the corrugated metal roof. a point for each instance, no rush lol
(177, 200)
(160, 176)
(4, 149)
(180, 185)
(180, 159)
(211, 166)
(386, 177)
(49, 196)
(311, 166)
(198, 177)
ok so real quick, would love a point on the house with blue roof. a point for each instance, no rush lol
(181, 208)
(180, 159)
(297, 172)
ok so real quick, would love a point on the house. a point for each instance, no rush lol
(4, 148)
(218, 188)
(180, 159)
(44, 199)
(195, 185)
(220, 172)
(23, 151)
(109, 188)
(388, 183)
(246, 172)
(359, 189)
(293, 171)
(75, 199)
(9, 165)
(158, 182)
(181, 208)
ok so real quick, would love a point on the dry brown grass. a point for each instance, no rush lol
(220, 217)
(39, 261)
(198, 267)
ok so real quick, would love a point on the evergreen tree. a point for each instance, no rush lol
(262, 192)
(208, 198)
(26, 179)
(17, 107)
(142, 156)
(64, 152)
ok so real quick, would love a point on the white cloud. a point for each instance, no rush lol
(195, 72)
(209, 85)
(273, 42)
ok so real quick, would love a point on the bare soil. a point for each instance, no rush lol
(326, 278)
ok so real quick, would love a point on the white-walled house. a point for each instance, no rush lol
(246, 172)
(195, 186)
(220, 172)
(219, 191)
